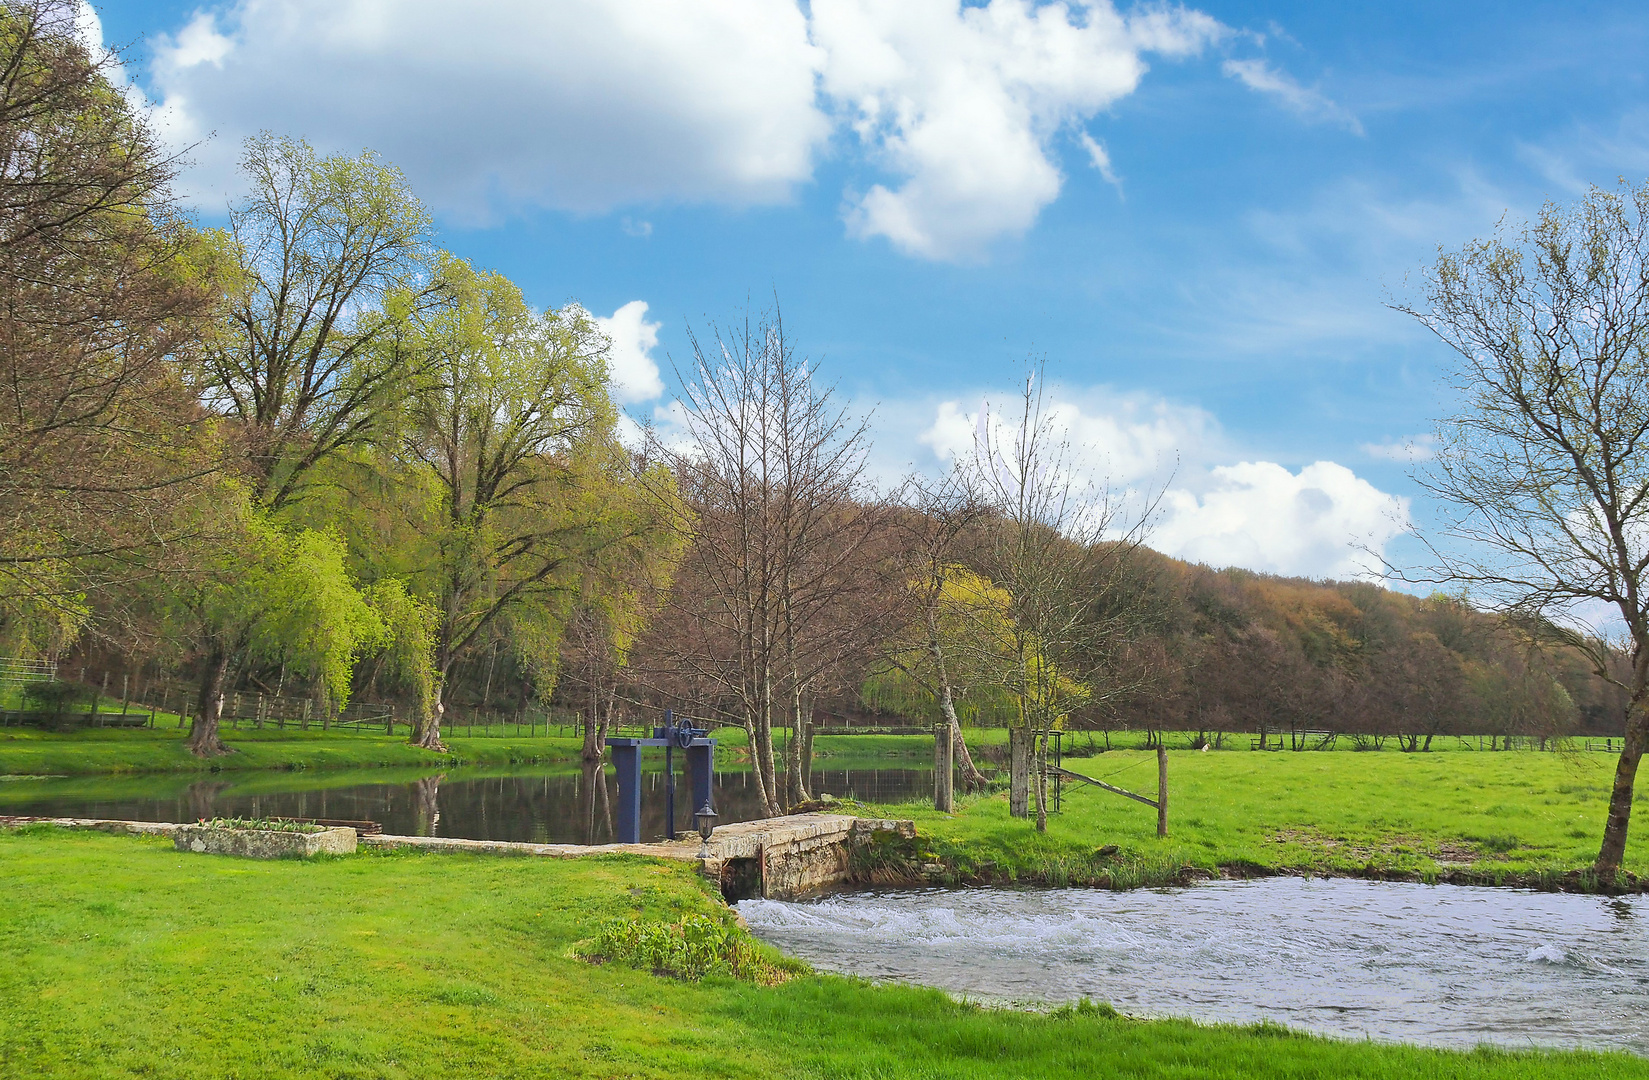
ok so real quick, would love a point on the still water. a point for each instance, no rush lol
(542, 806)
(1442, 965)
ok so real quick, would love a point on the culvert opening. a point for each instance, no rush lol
(741, 879)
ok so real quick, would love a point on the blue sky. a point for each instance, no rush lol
(1195, 214)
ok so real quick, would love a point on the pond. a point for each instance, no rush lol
(1440, 965)
(535, 805)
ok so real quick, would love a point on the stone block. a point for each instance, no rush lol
(264, 843)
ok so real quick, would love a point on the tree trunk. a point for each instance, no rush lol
(203, 738)
(426, 731)
(807, 748)
(1615, 826)
(755, 762)
(1019, 771)
(591, 750)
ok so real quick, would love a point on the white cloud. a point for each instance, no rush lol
(963, 103)
(634, 372)
(1322, 521)
(1100, 157)
(1413, 449)
(1305, 101)
(581, 104)
(588, 105)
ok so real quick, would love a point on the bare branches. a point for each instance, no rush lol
(1546, 466)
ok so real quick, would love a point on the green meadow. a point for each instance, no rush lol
(120, 957)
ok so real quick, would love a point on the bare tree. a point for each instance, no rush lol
(100, 295)
(1545, 468)
(936, 517)
(774, 472)
(1064, 550)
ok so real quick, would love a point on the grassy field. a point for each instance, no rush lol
(120, 957)
(1519, 817)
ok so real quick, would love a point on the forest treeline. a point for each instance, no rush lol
(309, 454)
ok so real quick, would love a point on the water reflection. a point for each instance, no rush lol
(540, 806)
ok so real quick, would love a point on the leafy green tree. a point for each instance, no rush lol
(511, 432)
(329, 261)
(250, 590)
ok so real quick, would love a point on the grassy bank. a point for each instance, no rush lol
(120, 957)
(1516, 817)
(26, 751)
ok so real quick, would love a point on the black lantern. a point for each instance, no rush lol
(706, 818)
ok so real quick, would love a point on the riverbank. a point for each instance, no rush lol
(120, 957)
(1514, 818)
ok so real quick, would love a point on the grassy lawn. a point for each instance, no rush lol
(121, 957)
(1514, 816)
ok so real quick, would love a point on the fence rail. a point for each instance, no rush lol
(15, 669)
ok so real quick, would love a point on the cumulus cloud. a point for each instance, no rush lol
(634, 372)
(588, 105)
(962, 103)
(1320, 521)
(581, 105)
(1304, 101)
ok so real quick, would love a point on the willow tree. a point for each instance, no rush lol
(328, 259)
(248, 590)
(510, 431)
(1543, 472)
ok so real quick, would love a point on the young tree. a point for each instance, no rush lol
(934, 520)
(781, 585)
(1545, 467)
(1064, 551)
(329, 261)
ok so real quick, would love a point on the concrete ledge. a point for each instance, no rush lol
(777, 858)
(135, 828)
(264, 843)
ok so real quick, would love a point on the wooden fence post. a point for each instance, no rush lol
(1162, 789)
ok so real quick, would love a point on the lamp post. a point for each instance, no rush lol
(706, 818)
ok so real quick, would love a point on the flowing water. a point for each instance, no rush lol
(1442, 965)
(539, 806)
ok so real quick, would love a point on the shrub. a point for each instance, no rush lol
(696, 946)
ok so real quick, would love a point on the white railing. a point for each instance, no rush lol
(15, 670)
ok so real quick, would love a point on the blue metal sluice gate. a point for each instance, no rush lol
(700, 751)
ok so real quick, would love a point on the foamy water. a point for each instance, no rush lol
(1441, 965)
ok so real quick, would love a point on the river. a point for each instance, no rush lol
(1440, 965)
(554, 805)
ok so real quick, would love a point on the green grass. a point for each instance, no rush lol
(1516, 817)
(27, 751)
(120, 957)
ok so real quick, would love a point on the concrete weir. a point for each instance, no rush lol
(774, 858)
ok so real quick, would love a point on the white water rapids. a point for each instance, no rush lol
(1440, 965)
